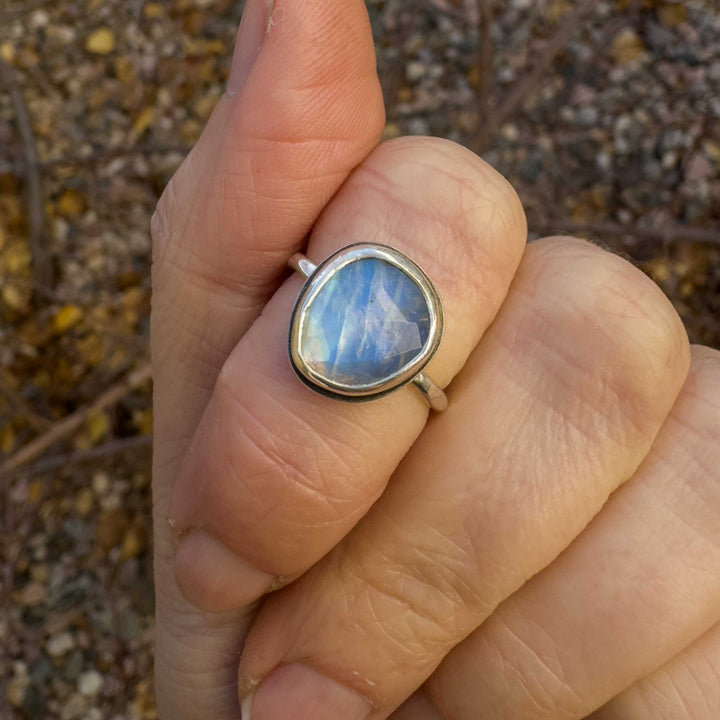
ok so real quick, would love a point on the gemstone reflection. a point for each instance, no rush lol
(367, 322)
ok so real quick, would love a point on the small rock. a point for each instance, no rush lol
(60, 644)
(588, 115)
(74, 707)
(603, 160)
(626, 46)
(34, 593)
(100, 42)
(39, 19)
(415, 70)
(101, 483)
(41, 671)
(84, 502)
(698, 168)
(90, 683)
(18, 685)
(510, 132)
(417, 126)
(130, 625)
(73, 666)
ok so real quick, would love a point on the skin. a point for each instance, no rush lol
(546, 548)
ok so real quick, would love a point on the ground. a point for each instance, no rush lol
(605, 116)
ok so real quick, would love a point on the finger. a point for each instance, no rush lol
(277, 475)
(686, 687)
(633, 590)
(303, 111)
(243, 201)
(556, 408)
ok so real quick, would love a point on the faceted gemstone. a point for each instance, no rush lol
(368, 321)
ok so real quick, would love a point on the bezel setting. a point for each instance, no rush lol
(315, 283)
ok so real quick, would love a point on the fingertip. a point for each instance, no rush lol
(213, 578)
(316, 76)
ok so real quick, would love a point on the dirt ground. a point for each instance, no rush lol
(605, 115)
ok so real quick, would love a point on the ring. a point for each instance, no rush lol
(367, 322)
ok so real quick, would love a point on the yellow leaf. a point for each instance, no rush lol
(132, 544)
(98, 426)
(7, 439)
(67, 317)
(84, 502)
(18, 258)
(100, 41)
(35, 491)
(153, 11)
(143, 421)
(144, 120)
(72, 203)
(14, 298)
(215, 47)
(712, 150)
(91, 349)
(626, 46)
(7, 52)
(672, 15)
(392, 130)
(124, 70)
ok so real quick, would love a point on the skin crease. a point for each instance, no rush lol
(591, 359)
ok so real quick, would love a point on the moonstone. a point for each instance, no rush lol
(367, 322)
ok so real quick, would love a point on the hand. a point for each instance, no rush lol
(476, 554)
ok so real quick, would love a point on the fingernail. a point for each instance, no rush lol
(251, 35)
(213, 578)
(295, 692)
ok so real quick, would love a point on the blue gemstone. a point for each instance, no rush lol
(367, 322)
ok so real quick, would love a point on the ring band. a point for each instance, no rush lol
(367, 322)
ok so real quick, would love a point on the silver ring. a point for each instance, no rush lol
(367, 322)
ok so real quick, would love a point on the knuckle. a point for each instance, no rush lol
(531, 661)
(468, 220)
(424, 599)
(613, 309)
(408, 619)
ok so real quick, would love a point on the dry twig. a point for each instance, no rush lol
(487, 62)
(667, 233)
(22, 8)
(84, 457)
(71, 423)
(525, 86)
(42, 268)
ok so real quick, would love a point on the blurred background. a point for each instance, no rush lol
(605, 115)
